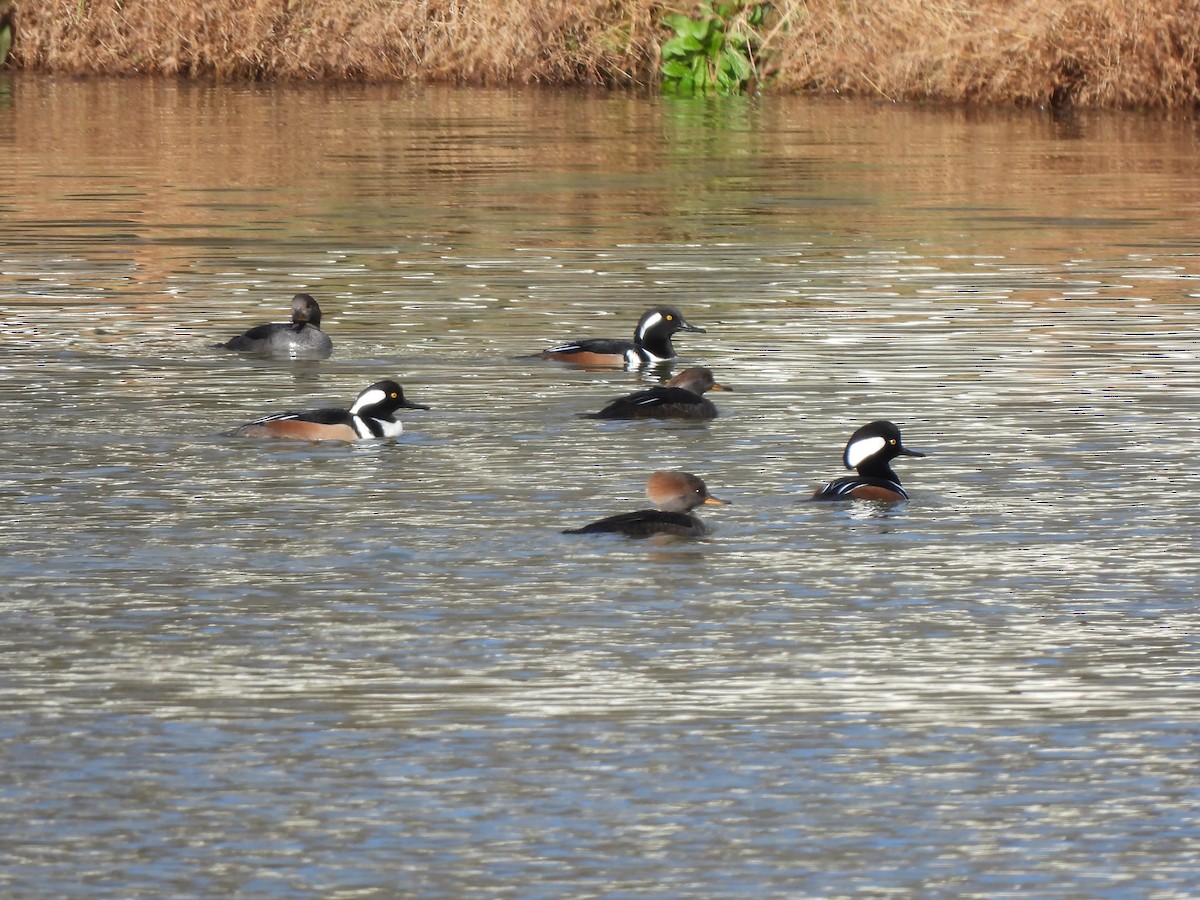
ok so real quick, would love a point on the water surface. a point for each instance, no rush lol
(235, 668)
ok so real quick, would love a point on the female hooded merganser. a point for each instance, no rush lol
(870, 450)
(679, 398)
(675, 494)
(371, 416)
(301, 339)
(651, 343)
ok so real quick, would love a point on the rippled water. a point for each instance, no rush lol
(235, 668)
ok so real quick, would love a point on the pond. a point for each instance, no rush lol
(236, 667)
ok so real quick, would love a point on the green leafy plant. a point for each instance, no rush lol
(5, 30)
(716, 49)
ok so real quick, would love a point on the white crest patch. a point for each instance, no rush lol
(863, 449)
(650, 323)
(368, 398)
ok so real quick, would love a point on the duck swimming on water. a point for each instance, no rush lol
(675, 494)
(371, 416)
(302, 338)
(680, 398)
(870, 451)
(651, 343)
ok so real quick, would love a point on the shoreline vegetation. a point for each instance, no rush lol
(1088, 53)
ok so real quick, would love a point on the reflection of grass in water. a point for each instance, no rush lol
(1091, 52)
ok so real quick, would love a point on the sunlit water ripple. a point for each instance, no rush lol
(245, 669)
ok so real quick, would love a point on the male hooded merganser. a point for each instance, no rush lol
(371, 416)
(679, 398)
(651, 343)
(302, 338)
(870, 450)
(675, 494)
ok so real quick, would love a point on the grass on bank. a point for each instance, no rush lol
(1115, 53)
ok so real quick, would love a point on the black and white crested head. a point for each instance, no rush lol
(650, 321)
(662, 319)
(860, 449)
(375, 408)
(383, 397)
(654, 330)
(875, 444)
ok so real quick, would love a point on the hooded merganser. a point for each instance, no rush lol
(870, 450)
(371, 416)
(679, 398)
(651, 343)
(302, 338)
(675, 494)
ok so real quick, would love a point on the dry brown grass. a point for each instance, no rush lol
(1086, 52)
(555, 41)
